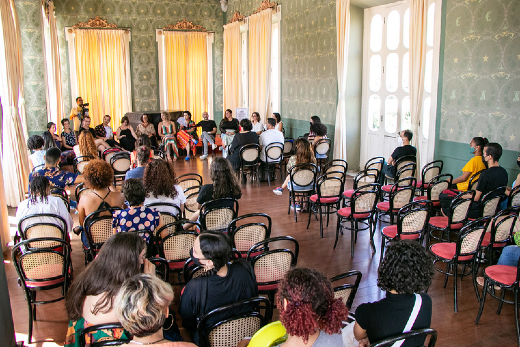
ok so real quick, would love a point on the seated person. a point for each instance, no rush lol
(244, 137)
(126, 134)
(85, 126)
(143, 157)
(473, 166)
(279, 123)
(91, 297)
(142, 141)
(58, 178)
(405, 273)
(160, 184)
(104, 131)
(310, 135)
(86, 146)
(223, 283)
(51, 128)
(187, 137)
(209, 130)
(136, 217)
(256, 121)
(228, 127)
(35, 144)
(68, 136)
(147, 129)
(320, 132)
(269, 136)
(41, 201)
(142, 307)
(404, 149)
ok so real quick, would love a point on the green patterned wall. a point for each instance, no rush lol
(481, 75)
(308, 42)
(142, 17)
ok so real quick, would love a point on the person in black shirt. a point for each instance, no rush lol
(228, 128)
(85, 126)
(405, 137)
(209, 129)
(406, 270)
(244, 137)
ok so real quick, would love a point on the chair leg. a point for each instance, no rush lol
(455, 287)
(328, 211)
(515, 293)
(382, 248)
(321, 220)
(338, 226)
(448, 265)
(482, 302)
(474, 278)
(28, 297)
(501, 303)
(353, 236)
(310, 213)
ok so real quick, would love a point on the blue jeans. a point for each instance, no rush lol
(509, 256)
(387, 170)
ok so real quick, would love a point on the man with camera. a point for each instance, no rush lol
(77, 113)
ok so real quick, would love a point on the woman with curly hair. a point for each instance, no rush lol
(405, 274)
(160, 185)
(225, 185)
(86, 145)
(187, 135)
(37, 158)
(91, 297)
(167, 132)
(98, 175)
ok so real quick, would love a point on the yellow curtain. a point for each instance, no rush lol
(418, 16)
(260, 61)
(186, 56)
(101, 65)
(343, 25)
(52, 65)
(232, 66)
(14, 132)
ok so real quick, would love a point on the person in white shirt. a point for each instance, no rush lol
(269, 136)
(159, 182)
(258, 127)
(40, 201)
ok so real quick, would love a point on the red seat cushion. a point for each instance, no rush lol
(176, 265)
(391, 232)
(387, 188)
(441, 222)
(446, 250)
(44, 283)
(435, 203)
(502, 273)
(346, 212)
(383, 206)
(487, 239)
(266, 287)
(331, 200)
(418, 184)
(348, 193)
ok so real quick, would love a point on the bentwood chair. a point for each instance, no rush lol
(492, 200)
(364, 178)
(346, 291)
(376, 163)
(226, 326)
(250, 161)
(500, 231)
(434, 188)
(249, 229)
(218, 214)
(41, 269)
(406, 171)
(458, 217)
(169, 212)
(120, 162)
(418, 337)
(80, 162)
(462, 252)
(302, 182)
(191, 205)
(80, 190)
(399, 163)
(176, 246)
(321, 152)
(119, 335)
(329, 190)
(97, 228)
(273, 159)
(400, 194)
(473, 180)
(336, 166)
(514, 197)
(189, 180)
(428, 172)
(507, 278)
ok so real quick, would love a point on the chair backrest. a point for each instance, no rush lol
(437, 185)
(46, 230)
(249, 229)
(288, 146)
(303, 176)
(218, 214)
(80, 163)
(271, 265)
(112, 329)
(502, 225)
(459, 207)
(191, 205)
(273, 152)
(364, 199)
(120, 162)
(162, 268)
(109, 153)
(473, 180)
(491, 201)
(404, 160)
(80, 190)
(334, 166)
(469, 238)
(189, 180)
(402, 192)
(415, 334)
(329, 186)
(375, 163)
(38, 167)
(431, 170)
(322, 147)
(406, 170)
(98, 228)
(176, 247)
(412, 219)
(229, 331)
(514, 197)
(250, 154)
(42, 267)
(191, 270)
(169, 212)
(41, 218)
(365, 178)
(346, 291)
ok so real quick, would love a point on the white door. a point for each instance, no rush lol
(386, 101)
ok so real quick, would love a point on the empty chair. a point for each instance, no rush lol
(375, 163)
(175, 247)
(399, 163)
(458, 217)
(434, 188)
(400, 194)
(189, 180)
(428, 172)
(329, 190)
(335, 166)
(405, 171)
(121, 163)
(362, 179)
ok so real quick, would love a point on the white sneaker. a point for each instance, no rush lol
(213, 146)
(204, 156)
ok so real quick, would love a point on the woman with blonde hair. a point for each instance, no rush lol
(167, 131)
(86, 145)
(142, 306)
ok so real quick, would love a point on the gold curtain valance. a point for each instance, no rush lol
(265, 5)
(184, 25)
(96, 23)
(237, 17)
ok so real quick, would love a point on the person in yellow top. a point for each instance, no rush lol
(473, 166)
(75, 114)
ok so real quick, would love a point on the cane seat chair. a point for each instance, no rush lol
(400, 163)
(119, 335)
(250, 160)
(53, 225)
(346, 291)
(462, 252)
(80, 190)
(473, 180)
(288, 150)
(175, 247)
(302, 182)
(458, 217)
(80, 162)
(109, 153)
(233, 323)
(492, 200)
(364, 178)
(434, 188)
(97, 228)
(514, 197)
(428, 172)
(412, 224)
(329, 190)
(336, 166)
(321, 152)
(191, 205)
(247, 230)
(120, 162)
(273, 159)
(375, 163)
(417, 335)
(405, 171)
(500, 231)
(400, 194)
(41, 269)
(361, 211)
(169, 212)
(189, 180)
(218, 214)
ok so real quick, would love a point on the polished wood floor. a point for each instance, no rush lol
(454, 329)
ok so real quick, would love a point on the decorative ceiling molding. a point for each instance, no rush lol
(237, 17)
(95, 23)
(185, 26)
(266, 4)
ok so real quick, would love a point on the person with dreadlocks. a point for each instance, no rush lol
(40, 201)
(229, 282)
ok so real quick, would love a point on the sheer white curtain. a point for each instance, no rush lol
(418, 16)
(343, 26)
(14, 133)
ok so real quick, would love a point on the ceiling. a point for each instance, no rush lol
(370, 3)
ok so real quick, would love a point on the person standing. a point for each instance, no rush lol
(76, 114)
(209, 129)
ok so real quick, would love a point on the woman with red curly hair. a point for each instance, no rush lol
(308, 310)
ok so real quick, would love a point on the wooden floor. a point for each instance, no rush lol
(454, 329)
